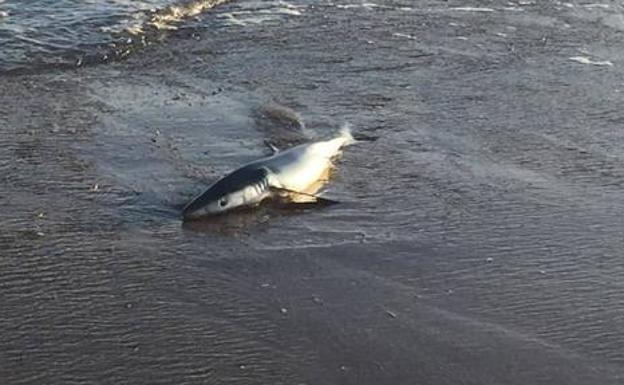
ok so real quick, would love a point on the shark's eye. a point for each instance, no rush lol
(223, 202)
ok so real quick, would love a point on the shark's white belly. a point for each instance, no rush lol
(303, 168)
(301, 176)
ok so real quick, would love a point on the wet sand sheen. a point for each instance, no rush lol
(478, 240)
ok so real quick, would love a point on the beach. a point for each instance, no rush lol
(479, 232)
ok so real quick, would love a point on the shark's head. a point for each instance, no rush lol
(246, 186)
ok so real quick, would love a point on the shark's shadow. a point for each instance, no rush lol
(280, 126)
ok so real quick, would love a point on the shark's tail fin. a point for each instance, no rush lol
(345, 135)
(333, 147)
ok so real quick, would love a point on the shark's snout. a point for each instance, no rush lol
(245, 186)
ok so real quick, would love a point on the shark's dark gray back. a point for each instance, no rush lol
(280, 160)
(237, 180)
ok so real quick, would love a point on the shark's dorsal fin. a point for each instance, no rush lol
(271, 146)
(301, 197)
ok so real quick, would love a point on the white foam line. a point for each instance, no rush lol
(471, 9)
(247, 20)
(398, 34)
(288, 11)
(604, 6)
(363, 5)
(586, 60)
(272, 11)
(288, 5)
(371, 6)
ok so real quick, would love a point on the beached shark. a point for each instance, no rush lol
(294, 175)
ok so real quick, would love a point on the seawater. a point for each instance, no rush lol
(61, 32)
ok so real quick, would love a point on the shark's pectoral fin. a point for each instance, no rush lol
(271, 146)
(291, 196)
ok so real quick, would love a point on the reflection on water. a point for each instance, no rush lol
(233, 223)
(252, 219)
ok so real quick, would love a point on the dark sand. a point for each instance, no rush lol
(479, 240)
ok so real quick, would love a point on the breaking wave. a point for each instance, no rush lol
(59, 33)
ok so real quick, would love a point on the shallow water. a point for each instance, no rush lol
(478, 240)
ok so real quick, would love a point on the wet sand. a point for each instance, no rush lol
(478, 240)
